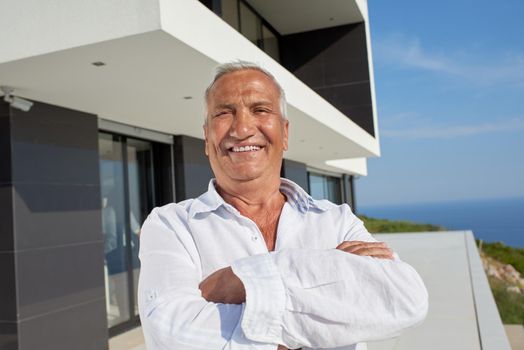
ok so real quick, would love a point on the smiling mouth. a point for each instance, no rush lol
(238, 149)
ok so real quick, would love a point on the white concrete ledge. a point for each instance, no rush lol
(462, 311)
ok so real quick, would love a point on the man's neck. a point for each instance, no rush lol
(252, 197)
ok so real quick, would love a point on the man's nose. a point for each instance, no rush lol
(243, 125)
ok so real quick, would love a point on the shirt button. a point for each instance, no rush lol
(254, 238)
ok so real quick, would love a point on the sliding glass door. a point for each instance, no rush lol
(127, 195)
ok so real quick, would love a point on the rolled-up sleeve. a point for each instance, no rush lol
(173, 313)
(265, 297)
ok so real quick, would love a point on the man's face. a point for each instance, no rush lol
(245, 133)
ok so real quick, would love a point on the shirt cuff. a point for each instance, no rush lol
(265, 298)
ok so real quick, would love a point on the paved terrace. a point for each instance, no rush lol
(462, 312)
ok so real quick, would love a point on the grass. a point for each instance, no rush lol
(510, 305)
(390, 226)
(505, 254)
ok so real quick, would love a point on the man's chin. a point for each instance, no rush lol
(243, 175)
(246, 177)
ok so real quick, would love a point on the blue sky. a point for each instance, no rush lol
(449, 79)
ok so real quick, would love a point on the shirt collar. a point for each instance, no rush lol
(299, 199)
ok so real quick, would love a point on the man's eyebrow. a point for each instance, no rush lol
(260, 103)
(224, 106)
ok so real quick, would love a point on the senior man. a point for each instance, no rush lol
(255, 262)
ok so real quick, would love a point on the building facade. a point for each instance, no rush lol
(115, 129)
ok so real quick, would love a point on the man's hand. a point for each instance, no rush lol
(223, 286)
(374, 249)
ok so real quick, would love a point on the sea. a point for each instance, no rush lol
(494, 220)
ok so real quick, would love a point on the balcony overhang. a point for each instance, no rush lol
(156, 71)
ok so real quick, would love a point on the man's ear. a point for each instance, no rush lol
(286, 133)
(205, 138)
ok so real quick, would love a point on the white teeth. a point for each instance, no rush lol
(245, 148)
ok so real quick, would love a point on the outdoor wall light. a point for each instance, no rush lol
(15, 102)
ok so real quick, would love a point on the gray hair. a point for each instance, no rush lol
(239, 65)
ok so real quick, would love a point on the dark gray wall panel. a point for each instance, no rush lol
(347, 95)
(5, 143)
(296, 172)
(7, 288)
(164, 174)
(193, 171)
(71, 328)
(8, 335)
(49, 279)
(349, 191)
(6, 219)
(348, 99)
(54, 204)
(50, 215)
(54, 145)
(334, 63)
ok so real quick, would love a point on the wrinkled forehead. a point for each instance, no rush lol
(245, 84)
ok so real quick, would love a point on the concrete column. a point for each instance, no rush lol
(192, 169)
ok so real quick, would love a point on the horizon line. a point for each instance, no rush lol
(439, 201)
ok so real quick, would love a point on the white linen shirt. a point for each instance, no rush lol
(303, 294)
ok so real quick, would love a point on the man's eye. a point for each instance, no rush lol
(261, 110)
(222, 113)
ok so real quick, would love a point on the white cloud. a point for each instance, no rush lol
(408, 53)
(436, 132)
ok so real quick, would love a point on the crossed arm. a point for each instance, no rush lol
(223, 286)
(285, 295)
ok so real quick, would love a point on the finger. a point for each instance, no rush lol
(347, 244)
(350, 248)
(373, 251)
(387, 257)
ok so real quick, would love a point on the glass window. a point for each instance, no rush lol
(141, 196)
(127, 190)
(316, 186)
(325, 187)
(333, 190)
(270, 42)
(114, 228)
(250, 24)
(230, 12)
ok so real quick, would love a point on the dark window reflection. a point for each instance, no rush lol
(229, 12)
(114, 228)
(270, 42)
(250, 24)
(124, 161)
(325, 187)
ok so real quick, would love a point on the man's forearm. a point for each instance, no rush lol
(312, 277)
(345, 298)
(223, 286)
